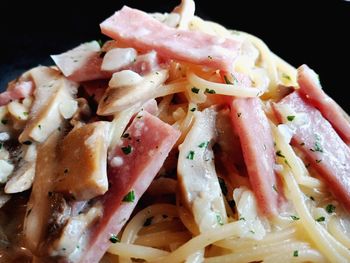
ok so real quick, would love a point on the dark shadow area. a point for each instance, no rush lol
(315, 33)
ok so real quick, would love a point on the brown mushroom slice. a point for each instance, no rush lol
(82, 172)
(120, 98)
(71, 233)
(38, 207)
(52, 89)
(197, 176)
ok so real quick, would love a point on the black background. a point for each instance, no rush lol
(316, 33)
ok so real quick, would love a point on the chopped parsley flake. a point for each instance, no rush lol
(148, 221)
(312, 198)
(242, 219)
(127, 149)
(275, 188)
(252, 231)
(114, 239)
(321, 219)
(287, 163)
(130, 197)
(193, 109)
(318, 160)
(219, 219)
(39, 126)
(27, 143)
(290, 117)
(279, 153)
(195, 90)
(203, 145)
(295, 253)
(330, 208)
(317, 147)
(4, 122)
(228, 81)
(302, 144)
(210, 57)
(210, 91)
(294, 217)
(25, 113)
(223, 186)
(239, 114)
(285, 76)
(190, 155)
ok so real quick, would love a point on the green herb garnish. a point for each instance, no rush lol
(127, 149)
(130, 197)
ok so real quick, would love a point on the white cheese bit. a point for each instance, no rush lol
(68, 108)
(117, 161)
(5, 171)
(124, 78)
(118, 58)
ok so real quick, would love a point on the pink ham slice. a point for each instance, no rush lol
(310, 88)
(143, 32)
(256, 140)
(320, 143)
(150, 141)
(82, 63)
(20, 90)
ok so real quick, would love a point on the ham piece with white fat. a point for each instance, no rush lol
(143, 32)
(255, 135)
(310, 89)
(20, 90)
(319, 142)
(82, 63)
(145, 146)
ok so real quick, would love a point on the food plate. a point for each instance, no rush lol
(172, 138)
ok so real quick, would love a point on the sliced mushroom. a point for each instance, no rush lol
(38, 207)
(52, 89)
(118, 99)
(21, 179)
(196, 173)
(71, 233)
(83, 167)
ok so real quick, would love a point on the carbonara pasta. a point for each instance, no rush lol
(178, 140)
